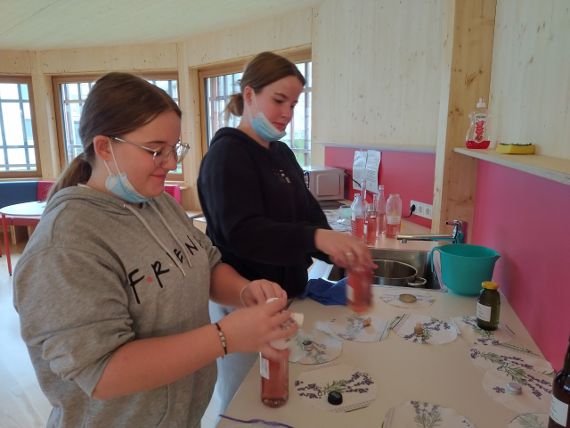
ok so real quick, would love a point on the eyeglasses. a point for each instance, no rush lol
(164, 154)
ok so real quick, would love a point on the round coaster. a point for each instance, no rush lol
(359, 328)
(530, 420)
(314, 347)
(414, 414)
(408, 299)
(424, 329)
(353, 388)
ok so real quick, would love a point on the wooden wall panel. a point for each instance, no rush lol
(377, 68)
(160, 57)
(283, 32)
(530, 86)
(15, 62)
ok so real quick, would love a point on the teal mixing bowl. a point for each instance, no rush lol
(464, 267)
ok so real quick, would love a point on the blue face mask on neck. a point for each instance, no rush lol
(264, 129)
(119, 185)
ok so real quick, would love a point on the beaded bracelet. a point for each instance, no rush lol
(222, 336)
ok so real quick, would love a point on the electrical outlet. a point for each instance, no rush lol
(422, 209)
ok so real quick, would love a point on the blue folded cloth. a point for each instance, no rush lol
(326, 292)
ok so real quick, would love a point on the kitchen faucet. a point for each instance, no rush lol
(457, 235)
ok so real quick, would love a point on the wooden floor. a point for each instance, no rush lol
(22, 403)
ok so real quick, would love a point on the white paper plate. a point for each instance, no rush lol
(419, 414)
(358, 389)
(435, 332)
(314, 347)
(354, 328)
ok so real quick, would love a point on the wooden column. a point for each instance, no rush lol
(470, 46)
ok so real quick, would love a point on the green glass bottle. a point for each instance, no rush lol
(489, 306)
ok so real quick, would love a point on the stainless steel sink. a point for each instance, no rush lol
(416, 258)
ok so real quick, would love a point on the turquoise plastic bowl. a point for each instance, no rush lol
(464, 267)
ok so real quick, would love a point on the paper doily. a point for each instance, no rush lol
(357, 328)
(535, 395)
(356, 386)
(492, 358)
(393, 298)
(473, 333)
(433, 331)
(419, 414)
(504, 366)
(530, 420)
(314, 347)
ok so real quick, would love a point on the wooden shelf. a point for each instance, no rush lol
(555, 169)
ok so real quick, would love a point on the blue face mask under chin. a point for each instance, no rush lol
(119, 185)
(264, 129)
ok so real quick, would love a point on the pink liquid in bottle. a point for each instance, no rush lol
(274, 380)
(358, 227)
(359, 290)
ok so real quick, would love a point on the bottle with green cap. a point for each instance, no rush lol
(489, 306)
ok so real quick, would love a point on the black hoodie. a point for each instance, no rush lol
(259, 212)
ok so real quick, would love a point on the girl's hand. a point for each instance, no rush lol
(258, 291)
(344, 249)
(251, 329)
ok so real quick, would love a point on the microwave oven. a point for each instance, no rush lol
(325, 183)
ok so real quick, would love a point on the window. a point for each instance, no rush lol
(18, 151)
(72, 93)
(219, 84)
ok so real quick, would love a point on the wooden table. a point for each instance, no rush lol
(403, 371)
(23, 214)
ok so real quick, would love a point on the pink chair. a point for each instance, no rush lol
(43, 189)
(174, 191)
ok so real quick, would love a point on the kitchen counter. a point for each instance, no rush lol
(402, 370)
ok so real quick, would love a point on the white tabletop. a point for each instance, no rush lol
(403, 371)
(24, 209)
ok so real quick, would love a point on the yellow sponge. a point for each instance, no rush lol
(516, 149)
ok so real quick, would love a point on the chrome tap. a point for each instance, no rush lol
(457, 236)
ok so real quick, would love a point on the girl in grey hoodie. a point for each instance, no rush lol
(112, 289)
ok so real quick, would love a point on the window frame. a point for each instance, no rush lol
(230, 67)
(37, 173)
(62, 79)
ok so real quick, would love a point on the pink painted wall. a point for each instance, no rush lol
(526, 219)
(410, 174)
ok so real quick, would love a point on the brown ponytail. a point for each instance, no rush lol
(78, 171)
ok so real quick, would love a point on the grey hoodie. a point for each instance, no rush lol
(98, 273)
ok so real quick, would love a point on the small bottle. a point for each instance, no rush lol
(476, 137)
(274, 380)
(560, 404)
(489, 306)
(371, 221)
(357, 209)
(359, 290)
(393, 215)
(381, 212)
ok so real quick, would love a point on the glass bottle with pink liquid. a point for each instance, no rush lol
(393, 215)
(359, 290)
(371, 221)
(381, 212)
(274, 380)
(357, 223)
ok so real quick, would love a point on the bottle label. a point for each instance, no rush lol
(264, 367)
(483, 312)
(558, 411)
(393, 219)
